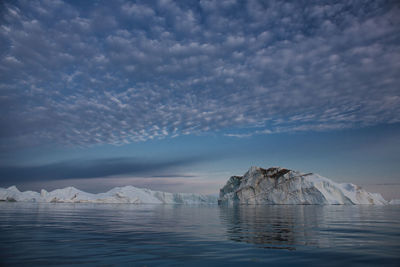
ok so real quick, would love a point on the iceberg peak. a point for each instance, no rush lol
(13, 188)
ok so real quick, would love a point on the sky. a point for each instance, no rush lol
(180, 95)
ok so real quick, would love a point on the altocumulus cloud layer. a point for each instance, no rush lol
(84, 73)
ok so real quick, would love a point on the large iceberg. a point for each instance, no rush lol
(283, 186)
(126, 194)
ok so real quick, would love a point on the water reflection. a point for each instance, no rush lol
(122, 234)
(277, 227)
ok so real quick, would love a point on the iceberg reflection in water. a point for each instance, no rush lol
(278, 227)
(291, 227)
(126, 234)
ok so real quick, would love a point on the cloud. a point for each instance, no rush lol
(88, 169)
(121, 72)
(239, 135)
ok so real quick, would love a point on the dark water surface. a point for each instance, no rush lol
(170, 235)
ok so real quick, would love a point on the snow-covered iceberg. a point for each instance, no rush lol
(126, 194)
(282, 186)
(394, 202)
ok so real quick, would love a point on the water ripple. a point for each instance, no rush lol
(170, 235)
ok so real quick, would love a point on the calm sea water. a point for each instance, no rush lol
(170, 235)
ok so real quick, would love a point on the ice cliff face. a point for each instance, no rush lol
(283, 186)
(127, 194)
